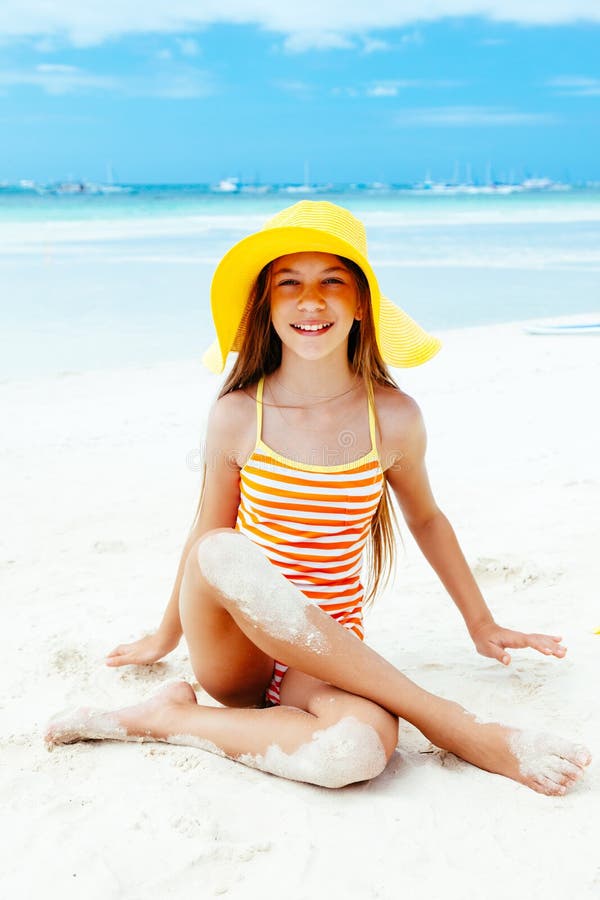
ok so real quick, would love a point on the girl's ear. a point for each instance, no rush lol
(358, 314)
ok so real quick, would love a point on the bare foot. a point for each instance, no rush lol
(142, 722)
(546, 763)
(543, 762)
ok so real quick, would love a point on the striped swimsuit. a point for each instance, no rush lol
(312, 522)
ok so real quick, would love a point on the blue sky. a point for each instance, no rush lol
(254, 90)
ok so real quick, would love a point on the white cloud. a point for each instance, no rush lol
(344, 92)
(299, 88)
(382, 90)
(45, 45)
(464, 116)
(303, 23)
(185, 85)
(188, 46)
(375, 45)
(56, 79)
(56, 67)
(413, 37)
(316, 40)
(393, 88)
(576, 86)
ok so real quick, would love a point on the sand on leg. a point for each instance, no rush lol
(330, 738)
(238, 613)
(228, 571)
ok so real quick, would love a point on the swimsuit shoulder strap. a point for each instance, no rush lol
(372, 428)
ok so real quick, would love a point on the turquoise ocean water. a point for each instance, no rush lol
(123, 278)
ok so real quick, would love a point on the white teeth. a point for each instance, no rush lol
(312, 327)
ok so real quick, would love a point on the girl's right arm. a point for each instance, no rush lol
(218, 508)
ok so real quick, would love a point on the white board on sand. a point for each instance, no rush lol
(577, 328)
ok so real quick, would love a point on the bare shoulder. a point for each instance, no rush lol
(396, 410)
(232, 423)
(401, 426)
(232, 408)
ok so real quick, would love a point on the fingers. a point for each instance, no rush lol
(136, 654)
(496, 651)
(120, 656)
(515, 639)
(121, 660)
(547, 644)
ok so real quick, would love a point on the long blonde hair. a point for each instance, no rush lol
(260, 354)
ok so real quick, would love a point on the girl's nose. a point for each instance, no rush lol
(310, 298)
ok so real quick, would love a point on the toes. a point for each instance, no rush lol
(567, 770)
(581, 755)
(56, 736)
(574, 753)
(544, 785)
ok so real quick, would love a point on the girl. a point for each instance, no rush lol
(307, 438)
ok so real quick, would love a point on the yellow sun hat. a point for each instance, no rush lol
(318, 226)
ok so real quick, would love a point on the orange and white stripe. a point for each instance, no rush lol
(312, 523)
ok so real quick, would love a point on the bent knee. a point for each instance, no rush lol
(197, 549)
(345, 753)
(337, 755)
(214, 554)
(203, 543)
(332, 707)
(224, 557)
(250, 584)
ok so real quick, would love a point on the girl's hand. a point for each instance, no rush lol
(144, 652)
(492, 640)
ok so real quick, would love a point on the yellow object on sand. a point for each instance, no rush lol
(317, 226)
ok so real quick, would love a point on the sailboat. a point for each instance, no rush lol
(110, 186)
(305, 188)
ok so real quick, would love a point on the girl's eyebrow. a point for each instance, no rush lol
(296, 272)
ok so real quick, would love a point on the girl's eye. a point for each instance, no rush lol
(290, 281)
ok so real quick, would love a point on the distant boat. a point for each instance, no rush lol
(72, 187)
(255, 188)
(305, 188)
(378, 187)
(113, 189)
(86, 187)
(575, 328)
(226, 186)
(537, 184)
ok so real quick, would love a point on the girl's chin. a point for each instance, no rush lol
(313, 354)
(313, 346)
(310, 343)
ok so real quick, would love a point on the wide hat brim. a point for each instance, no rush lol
(401, 341)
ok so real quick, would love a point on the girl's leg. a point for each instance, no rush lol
(228, 576)
(329, 737)
(238, 613)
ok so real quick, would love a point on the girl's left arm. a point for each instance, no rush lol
(407, 476)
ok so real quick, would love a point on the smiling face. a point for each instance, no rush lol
(314, 302)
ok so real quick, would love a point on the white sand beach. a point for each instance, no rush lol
(100, 477)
